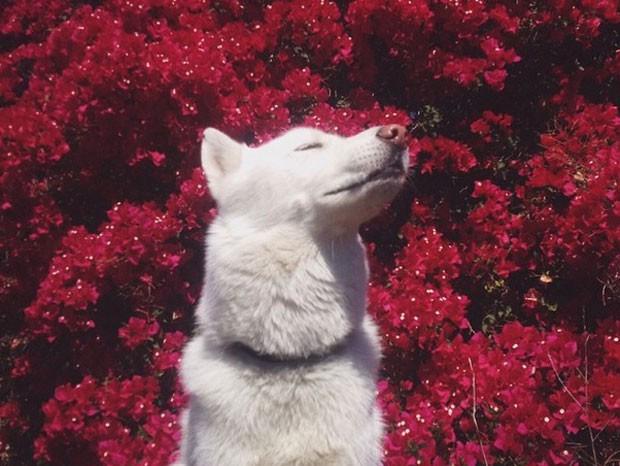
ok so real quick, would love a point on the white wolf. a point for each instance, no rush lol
(283, 366)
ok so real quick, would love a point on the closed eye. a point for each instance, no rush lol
(312, 145)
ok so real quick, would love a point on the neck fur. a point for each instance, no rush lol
(282, 291)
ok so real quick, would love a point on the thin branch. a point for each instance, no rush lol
(557, 375)
(604, 426)
(585, 350)
(584, 408)
(473, 414)
(615, 456)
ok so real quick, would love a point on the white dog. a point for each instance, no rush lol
(283, 366)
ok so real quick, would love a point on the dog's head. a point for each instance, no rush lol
(329, 183)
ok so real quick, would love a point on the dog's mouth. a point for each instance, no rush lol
(393, 170)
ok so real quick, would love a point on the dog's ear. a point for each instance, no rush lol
(220, 156)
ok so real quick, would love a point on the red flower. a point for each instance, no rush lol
(137, 330)
(502, 247)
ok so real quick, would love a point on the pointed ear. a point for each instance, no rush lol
(220, 155)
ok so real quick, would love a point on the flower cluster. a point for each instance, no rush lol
(495, 273)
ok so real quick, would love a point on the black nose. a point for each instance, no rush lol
(393, 134)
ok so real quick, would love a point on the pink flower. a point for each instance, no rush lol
(500, 251)
(136, 331)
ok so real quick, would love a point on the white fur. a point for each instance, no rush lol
(286, 276)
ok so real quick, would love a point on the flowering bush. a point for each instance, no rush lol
(496, 273)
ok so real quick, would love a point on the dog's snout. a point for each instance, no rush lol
(393, 134)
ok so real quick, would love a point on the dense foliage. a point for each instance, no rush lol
(496, 273)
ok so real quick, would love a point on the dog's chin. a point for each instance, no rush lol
(392, 174)
(352, 207)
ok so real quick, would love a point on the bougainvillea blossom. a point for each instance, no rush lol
(495, 275)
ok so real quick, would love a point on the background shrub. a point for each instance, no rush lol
(496, 273)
